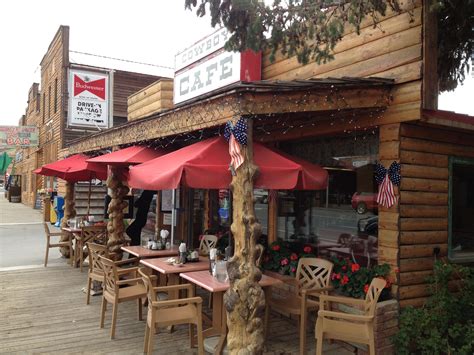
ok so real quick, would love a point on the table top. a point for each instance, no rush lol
(160, 265)
(142, 252)
(205, 280)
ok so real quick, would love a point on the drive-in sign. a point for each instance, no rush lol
(89, 99)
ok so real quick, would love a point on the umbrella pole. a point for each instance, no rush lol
(173, 214)
(89, 198)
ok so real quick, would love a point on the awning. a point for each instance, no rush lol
(75, 168)
(205, 165)
(128, 156)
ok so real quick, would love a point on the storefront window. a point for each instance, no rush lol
(343, 219)
(261, 208)
(461, 226)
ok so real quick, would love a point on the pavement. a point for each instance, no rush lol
(22, 238)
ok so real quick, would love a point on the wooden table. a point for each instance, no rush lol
(73, 232)
(172, 271)
(80, 240)
(205, 280)
(144, 253)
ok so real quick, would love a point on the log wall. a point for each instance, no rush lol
(411, 231)
(154, 98)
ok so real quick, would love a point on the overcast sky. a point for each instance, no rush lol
(139, 30)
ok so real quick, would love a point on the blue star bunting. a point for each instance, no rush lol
(239, 131)
(393, 173)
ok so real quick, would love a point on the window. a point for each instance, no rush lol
(55, 95)
(461, 209)
(341, 220)
(49, 103)
(44, 106)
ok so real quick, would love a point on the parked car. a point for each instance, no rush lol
(364, 201)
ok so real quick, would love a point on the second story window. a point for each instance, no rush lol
(49, 102)
(55, 95)
(44, 106)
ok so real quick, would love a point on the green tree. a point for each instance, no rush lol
(310, 29)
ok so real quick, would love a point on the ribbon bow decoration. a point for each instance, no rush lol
(236, 135)
(386, 178)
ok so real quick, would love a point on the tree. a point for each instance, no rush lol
(310, 29)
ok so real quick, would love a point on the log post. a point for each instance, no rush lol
(245, 299)
(115, 227)
(69, 212)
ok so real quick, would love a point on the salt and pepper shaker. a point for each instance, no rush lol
(182, 253)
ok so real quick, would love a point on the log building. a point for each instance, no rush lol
(376, 101)
(47, 109)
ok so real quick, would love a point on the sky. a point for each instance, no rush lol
(143, 31)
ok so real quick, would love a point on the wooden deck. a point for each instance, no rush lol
(43, 310)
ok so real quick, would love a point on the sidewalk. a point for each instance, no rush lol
(22, 239)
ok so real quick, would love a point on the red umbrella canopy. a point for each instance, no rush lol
(128, 156)
(75, 168)
(205, 165)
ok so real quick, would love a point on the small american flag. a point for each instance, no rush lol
(386, 179)
(236, 157)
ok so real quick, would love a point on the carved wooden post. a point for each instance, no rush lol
(115, 227)
(69, 212)
(245, 299)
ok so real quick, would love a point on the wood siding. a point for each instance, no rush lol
(152, 99)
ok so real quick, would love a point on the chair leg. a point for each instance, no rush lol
(46, 256)
(199, 335)
(191, 335)
(319, 338)
(140, 314)
(372, 345)
(81, 254)
(114, 320)
(147, 336)
(265, 322)
(303, 333)
(71, 253)
(149, 349)
(103, 308)
(88, 290)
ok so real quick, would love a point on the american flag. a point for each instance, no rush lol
(386, 179)
(236, 157)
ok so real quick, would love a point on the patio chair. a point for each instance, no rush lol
(65, 244)
(208, 241)
(117, 291)
(172, 312)
(95, 272)
(312, 279)
(357, 328)
(97, 234)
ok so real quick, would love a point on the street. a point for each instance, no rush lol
(22, 237)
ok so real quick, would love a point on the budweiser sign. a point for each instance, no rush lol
(89, 99)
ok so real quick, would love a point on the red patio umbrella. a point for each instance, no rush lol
(74, 168)
(128, 156)
(205, 165)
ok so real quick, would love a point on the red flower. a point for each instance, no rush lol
(307, 249)
(344, 280)
(293, 269)
(344, 268)
(338, 276)
(366, 288)
(294, 256)
(276, 247)
(355, 267)
(284, 262)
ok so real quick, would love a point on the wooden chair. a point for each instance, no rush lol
(313, 278)
(65, 244)
(208, 241)
(357, 328)
(117, 291)
(88, 234)
(172, 312)
(96, 272)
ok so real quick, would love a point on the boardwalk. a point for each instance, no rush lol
(43, 311)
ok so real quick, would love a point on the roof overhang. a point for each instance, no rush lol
(448, 119)
(256, 99)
